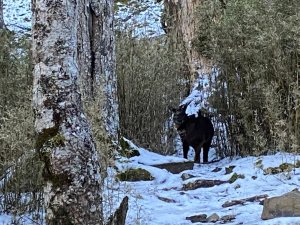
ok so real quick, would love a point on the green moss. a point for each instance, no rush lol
(229, 169)
(272, 170)
(284, 167)
(124, 144)
(135, 175)
(58, 140)
(126, 150)
(45, 143)
(44, 136)
(236, 176)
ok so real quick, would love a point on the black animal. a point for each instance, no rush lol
(194, 131)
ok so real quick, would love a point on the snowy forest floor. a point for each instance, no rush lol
(162, 201)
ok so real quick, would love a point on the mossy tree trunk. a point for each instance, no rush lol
(64, 141)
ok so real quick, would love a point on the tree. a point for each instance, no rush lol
(104, 66)
(257, 88)
(181, 23)
(2, 25)
(64, 141)
(96, 51)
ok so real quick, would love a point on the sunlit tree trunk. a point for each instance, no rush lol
(181, 24)
(2, 26)
(64, 141)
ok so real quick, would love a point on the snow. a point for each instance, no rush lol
(200, 93)
(17, 15)
(141, 18)
(145, 206)
(151, 158)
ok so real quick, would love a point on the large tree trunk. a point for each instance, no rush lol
(103, 47)
(97, 62)
(180, 23)
(2, 25)
(64, 141)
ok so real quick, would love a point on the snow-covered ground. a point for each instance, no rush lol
(162, 201)
(148, 207)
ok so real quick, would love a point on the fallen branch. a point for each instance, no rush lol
(202, 184)
(255, 198)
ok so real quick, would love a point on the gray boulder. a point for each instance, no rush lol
(287, 205)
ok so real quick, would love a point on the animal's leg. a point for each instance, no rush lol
(197, 154)
(205, 151)
(185, 146)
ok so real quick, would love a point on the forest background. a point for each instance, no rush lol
(254, 98)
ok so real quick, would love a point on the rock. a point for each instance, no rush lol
(229, 169)
(202, 184)
(202, 218)
(217, 169)
(176, 167)
(237, 186)
(168, 200)
(287, 205)
(126, 150)
(135, 175)
(227, 218)
(236, 176)
(284, 167)
(213, 218)
(186, 176)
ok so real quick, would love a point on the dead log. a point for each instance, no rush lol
(202, 218)
(255, 198)
(176, 167)
(202, 184)
(168, 200)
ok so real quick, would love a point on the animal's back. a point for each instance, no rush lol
(199, 130)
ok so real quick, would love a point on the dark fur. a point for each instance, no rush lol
(194, 131)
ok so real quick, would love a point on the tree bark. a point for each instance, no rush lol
(2, 25)
(103, 46)
(97, 62)
(64, 141)
(180, 23)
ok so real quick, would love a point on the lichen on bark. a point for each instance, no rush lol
(64, 142)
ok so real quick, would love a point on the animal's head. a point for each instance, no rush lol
(179, 116)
